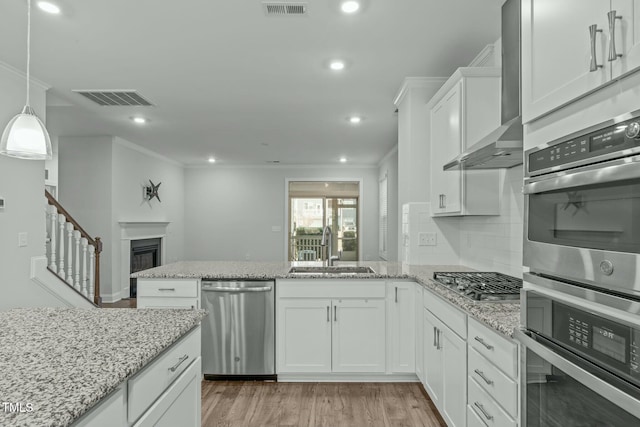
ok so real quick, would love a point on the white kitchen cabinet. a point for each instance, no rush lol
(331, 326)
(104, 414)
(402, 322)
(465, 109)
(557, 50)
(419, 333)
(304, 335)
(358, 335)
(445, 358)
(493, 376)
(168, 293)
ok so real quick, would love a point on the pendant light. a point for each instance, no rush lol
(25, 137)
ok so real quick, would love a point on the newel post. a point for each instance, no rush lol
(97, 299)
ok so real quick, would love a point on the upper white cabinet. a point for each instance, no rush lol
(465, 109)
(570, 49)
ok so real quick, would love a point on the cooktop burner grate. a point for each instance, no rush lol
(481, 286)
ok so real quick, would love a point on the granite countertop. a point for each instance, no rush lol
(502, 317)
(62, 361)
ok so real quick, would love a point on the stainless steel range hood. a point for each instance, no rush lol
(501, 148)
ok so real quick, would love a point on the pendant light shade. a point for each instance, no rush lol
(25, 137)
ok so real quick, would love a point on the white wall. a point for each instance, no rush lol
(230, 211)
(100, 184)
(389, 165)
(22, 188)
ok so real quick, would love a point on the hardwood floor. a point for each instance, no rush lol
(250, 404)
(123, 303)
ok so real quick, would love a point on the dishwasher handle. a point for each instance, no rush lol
(237, 290)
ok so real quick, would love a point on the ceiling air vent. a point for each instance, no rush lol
(115, 98)
(285, 8)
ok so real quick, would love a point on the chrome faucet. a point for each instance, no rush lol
(327, 240)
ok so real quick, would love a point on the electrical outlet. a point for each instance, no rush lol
(427, 239)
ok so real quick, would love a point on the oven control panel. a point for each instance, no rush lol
(610, 139)
(635, 353)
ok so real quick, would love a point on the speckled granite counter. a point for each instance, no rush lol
(503, 317)
(63, 361)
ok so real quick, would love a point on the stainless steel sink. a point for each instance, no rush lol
(331, 270)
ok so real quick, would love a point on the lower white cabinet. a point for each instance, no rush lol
(445, 355)
(168, 293)
(330, 326)
(402, 323)
(419, 333)
(165, 393)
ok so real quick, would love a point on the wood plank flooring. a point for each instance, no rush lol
(123, 303)
(251, 404)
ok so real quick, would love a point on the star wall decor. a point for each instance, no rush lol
(151, 191)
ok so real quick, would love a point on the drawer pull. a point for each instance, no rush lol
(435, 335)
(481, 341)
(182, 359)
(484, 412)
(481, 375)
(167, 289)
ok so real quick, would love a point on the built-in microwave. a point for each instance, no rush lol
(582, 207)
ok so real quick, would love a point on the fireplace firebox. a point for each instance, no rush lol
(145, 254)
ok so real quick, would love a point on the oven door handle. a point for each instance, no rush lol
(577, 369)
(597, 174)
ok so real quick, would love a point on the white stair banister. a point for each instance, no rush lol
(61, 222)
(69, 277)
(91, 276)
(84, 243)
(76, 261)
(53, 217)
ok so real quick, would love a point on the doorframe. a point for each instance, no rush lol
(285, 228)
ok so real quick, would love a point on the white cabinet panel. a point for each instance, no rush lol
(454, 360)
(358, 336)
(432, 358)
(419, 333)
(105, 413)
(304, 335)
(402, 326)
(627, 36)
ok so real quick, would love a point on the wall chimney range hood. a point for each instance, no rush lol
(501, 148)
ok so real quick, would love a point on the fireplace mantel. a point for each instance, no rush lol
(135, 230)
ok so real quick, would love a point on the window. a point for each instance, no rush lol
(312, 205)
(383, 218)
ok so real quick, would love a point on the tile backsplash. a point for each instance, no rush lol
(488, 243)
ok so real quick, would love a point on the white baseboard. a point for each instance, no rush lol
(349, 378)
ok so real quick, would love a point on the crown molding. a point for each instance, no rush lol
(410, 83)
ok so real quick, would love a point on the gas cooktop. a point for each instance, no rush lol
(480, 286)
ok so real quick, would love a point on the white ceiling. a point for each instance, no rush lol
(226, 79)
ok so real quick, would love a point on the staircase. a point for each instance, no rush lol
(72, 254)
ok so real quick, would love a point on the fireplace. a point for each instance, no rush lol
(145, 254)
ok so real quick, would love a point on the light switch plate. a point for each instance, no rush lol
(23, 239)
(276, 228)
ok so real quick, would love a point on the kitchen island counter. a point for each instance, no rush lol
(502, 316)
(57, 363)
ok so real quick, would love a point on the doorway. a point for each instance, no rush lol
(312, 205)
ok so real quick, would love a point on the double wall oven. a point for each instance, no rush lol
(580, 346)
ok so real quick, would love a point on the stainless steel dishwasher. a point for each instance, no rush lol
(238, 337)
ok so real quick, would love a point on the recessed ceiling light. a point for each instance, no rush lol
(355, 119)
(343, 160)
(49, 7)
(139, 120)
(350, 6)
(212, 160)
(336, 65)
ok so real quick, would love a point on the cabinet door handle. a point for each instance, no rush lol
(335, 313)
(182, 359)
(438, 341)
(167, 289)
(444, 201)
(396, 294)
(484, 412)
(481, 341)
(593, 30)
(435, 334)
(328, 315)
(481, 375)
(613, 55)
